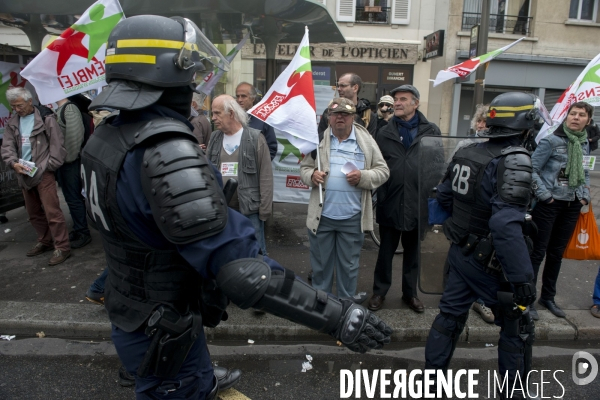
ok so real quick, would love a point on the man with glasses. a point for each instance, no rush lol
(398, 199)
(348, 87)
(351, 166)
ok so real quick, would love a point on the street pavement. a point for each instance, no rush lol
(61, 369)
(35, 297)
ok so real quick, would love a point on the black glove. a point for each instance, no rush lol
(361, 330)
(524, 293)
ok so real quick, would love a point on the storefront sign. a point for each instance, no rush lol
(434, 45)
(321, 75)
(473, 41)
(397, 76)
(365, 52)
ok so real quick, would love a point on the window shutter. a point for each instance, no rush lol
(345, 10)
(401, 12)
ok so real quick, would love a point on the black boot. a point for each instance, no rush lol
(227, 377)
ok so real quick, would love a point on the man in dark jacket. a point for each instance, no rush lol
(245, 95)
(348, 86)
(398, 198)
(593, 133)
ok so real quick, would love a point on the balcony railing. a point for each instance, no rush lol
(373, 15)
(500, 23)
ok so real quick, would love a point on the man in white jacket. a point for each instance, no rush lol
(351, 166)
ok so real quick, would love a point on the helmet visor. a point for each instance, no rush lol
(542, 111)
(198, 52)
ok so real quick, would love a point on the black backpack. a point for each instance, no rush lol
(82, 104)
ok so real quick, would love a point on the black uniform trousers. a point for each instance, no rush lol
(382, 280)
(555, 222)
(468, 281)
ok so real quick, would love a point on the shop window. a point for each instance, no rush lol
(506, 16)
(584, 10)
(374, 11)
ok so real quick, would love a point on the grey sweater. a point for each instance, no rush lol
(72, 129)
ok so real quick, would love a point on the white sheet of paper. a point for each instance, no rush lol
(349, 167)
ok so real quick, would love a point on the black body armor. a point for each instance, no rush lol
(142, 277)
(471, 213)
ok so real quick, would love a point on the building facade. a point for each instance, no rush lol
(558, 45)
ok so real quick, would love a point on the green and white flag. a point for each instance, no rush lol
(466, 68)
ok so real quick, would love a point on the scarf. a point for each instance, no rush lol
(405, 128)
(574, 170)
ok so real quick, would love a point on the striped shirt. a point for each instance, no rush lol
(342, 200)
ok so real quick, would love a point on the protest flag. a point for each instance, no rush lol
(74, 62)
(289, 105)
(585, 88)
(464, 69)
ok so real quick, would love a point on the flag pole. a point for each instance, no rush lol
(319, 169)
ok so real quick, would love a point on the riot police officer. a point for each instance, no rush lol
(486, 188)
(176, 254)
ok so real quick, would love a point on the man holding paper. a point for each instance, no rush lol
(31, 137)
(351, 166)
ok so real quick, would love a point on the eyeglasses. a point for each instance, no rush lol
(385, 105)
(342, 85)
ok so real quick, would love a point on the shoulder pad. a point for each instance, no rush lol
(162, 125)
(184, 194)
(513, 150)
(514, 178)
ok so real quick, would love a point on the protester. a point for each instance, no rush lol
(593, 133)
(202, 129)
(241, 152)
(398, 198)
(336, 228)
(68, 175)
(561, 186)
(478, 125)
(478, 122)
(385, 111)
(245, 95)
(35, 138)
(176, 254)
(348, 87)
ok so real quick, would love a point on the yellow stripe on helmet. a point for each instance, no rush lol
(509, 108)
(159, 43)
(130, 58)
(501, 115)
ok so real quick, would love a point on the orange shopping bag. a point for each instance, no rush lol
(585, 241)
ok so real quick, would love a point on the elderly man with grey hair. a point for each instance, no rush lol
(245, 95)
(241, 152)
(32, 134)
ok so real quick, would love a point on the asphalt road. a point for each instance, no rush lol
(66, 369)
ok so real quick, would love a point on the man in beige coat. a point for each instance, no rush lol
(37, 138)
(351, 166)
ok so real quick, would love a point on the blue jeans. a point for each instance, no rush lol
(259, 227)
(596, 296)
(69, 180)
(98, 285)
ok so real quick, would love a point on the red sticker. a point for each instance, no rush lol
(493, 114)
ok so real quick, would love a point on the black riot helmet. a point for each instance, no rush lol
(511, 114)
(147, 54)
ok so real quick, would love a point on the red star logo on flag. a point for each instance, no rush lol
(67, 45)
